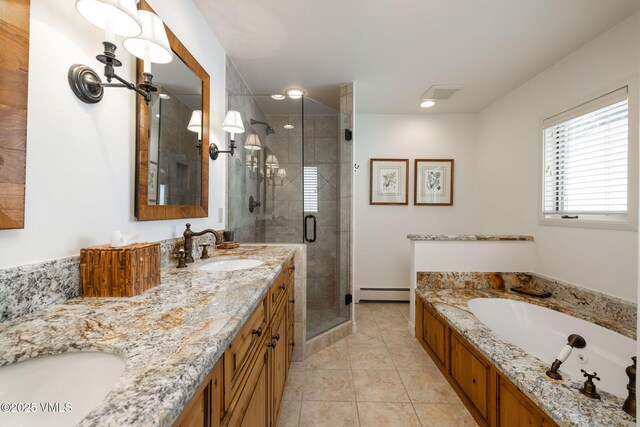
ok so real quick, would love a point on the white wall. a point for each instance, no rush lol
(380, 232)
(80, 158)
(509, 165)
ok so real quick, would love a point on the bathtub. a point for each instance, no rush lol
(542, 333)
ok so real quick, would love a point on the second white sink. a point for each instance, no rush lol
(58, 390)
(231, 265)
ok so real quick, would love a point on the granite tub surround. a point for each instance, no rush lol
(595, 307)
(469, 237)
(559, 399)
(170, 336)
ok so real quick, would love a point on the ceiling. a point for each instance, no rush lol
(396, 49)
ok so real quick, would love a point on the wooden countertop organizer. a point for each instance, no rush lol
(126, 271)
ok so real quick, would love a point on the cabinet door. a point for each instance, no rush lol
(197, 413)
(513, 410)
(434, 333)
(279, 360)
(252, 408)
(471, 374)
(257, 414)
(291, 314)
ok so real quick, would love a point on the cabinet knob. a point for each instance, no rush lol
(276, 337)
(293, 301)
(257, 332)
(283, 286)
(292, 268)
(272, 344)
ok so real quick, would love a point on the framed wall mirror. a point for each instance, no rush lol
(172, 173)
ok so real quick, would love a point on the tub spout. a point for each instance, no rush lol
(573, 341)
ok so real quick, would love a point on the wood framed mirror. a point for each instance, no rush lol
(172, 162)
(14, 78)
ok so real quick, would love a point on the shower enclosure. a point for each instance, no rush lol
(301, 175)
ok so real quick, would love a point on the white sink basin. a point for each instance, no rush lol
(81, 379)
(231, 265)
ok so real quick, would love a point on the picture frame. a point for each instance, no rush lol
(389, 182)
(433, 182)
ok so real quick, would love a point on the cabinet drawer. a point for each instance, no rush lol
(434, 334)
(238, 356)
(472, 376)
(279, 290)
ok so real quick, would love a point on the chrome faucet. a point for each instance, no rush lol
(188, 240)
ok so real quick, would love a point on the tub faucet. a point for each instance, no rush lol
(630, 403)
(188, 240)
(573, 341)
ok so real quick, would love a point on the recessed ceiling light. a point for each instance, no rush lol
(278, 97)
(427, 103)
(289, 126)
(158, 115)
(294, 93)
(164, 96)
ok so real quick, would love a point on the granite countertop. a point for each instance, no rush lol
(468, 237)
(561, 400)
(170, 336)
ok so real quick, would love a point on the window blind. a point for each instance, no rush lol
(310, 189)
(586, 158)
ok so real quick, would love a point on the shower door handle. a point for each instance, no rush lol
(306, 229)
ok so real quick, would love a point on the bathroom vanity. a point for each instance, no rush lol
(247, 384)
(203, 348)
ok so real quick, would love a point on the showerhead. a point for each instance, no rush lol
(269, 131)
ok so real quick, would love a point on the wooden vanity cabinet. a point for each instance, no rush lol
(291, 315)
(490, 397)
(253, 408)
(247, 384)
(204, 408)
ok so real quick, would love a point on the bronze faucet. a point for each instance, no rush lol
(188, 240)
(589, 388)
(573, 341)
(630, 403)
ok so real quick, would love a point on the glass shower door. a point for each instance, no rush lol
(327, 284)
(301, 175)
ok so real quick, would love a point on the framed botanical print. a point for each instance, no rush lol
(389, 182)
(433, 182)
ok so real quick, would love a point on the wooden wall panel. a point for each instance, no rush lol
(14, 79)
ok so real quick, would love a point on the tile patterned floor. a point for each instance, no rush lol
(378, 377)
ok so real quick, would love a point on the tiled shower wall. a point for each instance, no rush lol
(242, 182)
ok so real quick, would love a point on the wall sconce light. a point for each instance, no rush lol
(253, 142)
(271, 161)
(232, 124)
(282, 174)
(195, 125)
(147, 41)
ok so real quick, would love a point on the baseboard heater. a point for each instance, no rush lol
(384, 294)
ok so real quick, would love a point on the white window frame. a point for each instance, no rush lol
(618, 222)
